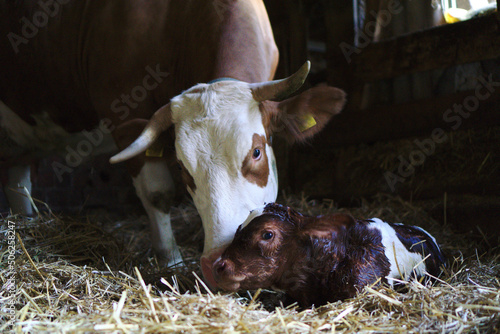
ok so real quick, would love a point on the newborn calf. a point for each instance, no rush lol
(322, 259)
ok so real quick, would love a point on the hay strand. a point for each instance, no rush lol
(70, 277)
(29, 257)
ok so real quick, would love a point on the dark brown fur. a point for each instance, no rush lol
(314, 259)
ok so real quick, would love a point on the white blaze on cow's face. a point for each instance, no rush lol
(228, 162)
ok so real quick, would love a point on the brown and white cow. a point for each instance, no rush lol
(71, 70)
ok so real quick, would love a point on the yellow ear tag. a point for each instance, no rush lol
(309, 122)
(155, 151)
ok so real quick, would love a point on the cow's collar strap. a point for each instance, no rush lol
(221, 79)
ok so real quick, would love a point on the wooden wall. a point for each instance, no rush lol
(349, 159)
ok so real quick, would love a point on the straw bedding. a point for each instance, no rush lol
(98, 274)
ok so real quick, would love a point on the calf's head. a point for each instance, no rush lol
(223, 143)
(259, 251)
(272, 245)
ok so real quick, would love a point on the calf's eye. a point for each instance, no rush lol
(256, 153)
(267, 235)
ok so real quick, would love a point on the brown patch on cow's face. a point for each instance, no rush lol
(255, 167)
(187, 178)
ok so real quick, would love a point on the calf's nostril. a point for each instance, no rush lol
(220, 266)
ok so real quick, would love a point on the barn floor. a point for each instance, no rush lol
(96, 273)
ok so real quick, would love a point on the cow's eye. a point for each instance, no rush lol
(256, 153)
(267, 235)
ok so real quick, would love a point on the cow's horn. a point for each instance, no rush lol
(161, 121)
(280, 89)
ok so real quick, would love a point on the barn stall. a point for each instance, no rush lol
(85, 264)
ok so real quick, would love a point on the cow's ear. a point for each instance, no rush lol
(300, 117)
(158, 124)
(127, 132)
(124, 135)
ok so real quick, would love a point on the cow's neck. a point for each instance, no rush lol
(233, 40)
(246, 40)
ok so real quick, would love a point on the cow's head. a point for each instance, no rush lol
(223, 143)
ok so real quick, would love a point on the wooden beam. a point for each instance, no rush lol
(453, 44)
(339, 23)
(418, 118)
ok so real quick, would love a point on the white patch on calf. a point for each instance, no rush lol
(214, 125)
(403, 262)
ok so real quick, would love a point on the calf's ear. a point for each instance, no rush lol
(301, 117)
(319, 232)
(327, 227)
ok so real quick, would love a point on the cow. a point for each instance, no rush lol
(323, 259)
(127, 72)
